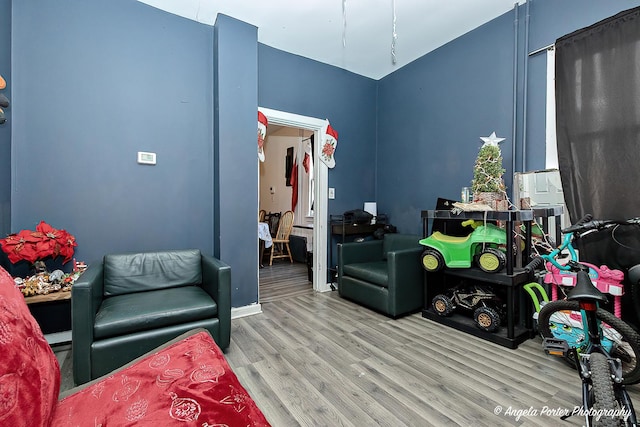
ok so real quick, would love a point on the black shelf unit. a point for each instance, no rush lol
(509, 281)
(517, 328)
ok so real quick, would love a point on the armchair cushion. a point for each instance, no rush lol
(128, 313)
(150, 271)
(374, 272)
(383, 275)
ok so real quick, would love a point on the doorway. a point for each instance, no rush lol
(320, 190)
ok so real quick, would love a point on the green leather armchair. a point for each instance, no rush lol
(384, 275)
(131, 303)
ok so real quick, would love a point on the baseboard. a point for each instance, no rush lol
(247, 310)
(326, 287)
(58, 337)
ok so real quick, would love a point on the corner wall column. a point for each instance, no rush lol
(235, 154)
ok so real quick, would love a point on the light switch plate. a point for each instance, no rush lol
(146, 158)
(332, 193)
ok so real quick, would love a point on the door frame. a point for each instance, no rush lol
(321, 191)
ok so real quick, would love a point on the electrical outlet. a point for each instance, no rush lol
(332, 193)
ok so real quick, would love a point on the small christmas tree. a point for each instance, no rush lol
(488, 170)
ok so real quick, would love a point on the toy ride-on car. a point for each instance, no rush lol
(486, 307)
(482, 246)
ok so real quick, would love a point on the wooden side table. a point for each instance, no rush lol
(53, 296)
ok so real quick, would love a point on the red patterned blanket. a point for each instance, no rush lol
(186, 382)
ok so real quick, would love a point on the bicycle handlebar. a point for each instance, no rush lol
(587, 224)
(534, 264)
(578, 226)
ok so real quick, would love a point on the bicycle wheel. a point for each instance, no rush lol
(602, 397)
(560, 319)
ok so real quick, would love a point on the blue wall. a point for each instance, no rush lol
(433, 111)
(94, 83)
(302, 86)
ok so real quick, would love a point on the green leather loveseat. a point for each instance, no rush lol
(385, 275)
(131, 303)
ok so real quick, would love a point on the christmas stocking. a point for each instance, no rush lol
(329, 144)
(307, 162)
(262, 134)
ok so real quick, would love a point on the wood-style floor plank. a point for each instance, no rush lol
(410, 371)
(283, 279)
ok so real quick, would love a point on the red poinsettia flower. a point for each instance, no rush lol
(42, 243)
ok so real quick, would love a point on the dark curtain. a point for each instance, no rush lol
(598, 117)
(598, 132)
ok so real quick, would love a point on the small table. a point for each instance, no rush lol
(53, 296)
(264, 235)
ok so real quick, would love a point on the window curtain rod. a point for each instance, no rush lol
(543, 49)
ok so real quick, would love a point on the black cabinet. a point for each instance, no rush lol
(507, 283)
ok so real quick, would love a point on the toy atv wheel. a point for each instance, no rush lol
(492, 260)
(432, 260)
(487, 318)
(442, 305)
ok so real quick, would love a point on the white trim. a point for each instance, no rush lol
(321, 176)
(551, 157)
(247, 310)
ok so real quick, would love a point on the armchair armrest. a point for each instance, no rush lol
(86, 297)
(406, 279)
(216, 281)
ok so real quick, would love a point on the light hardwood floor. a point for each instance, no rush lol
(319, 360)
(315, 359)
(283, 279)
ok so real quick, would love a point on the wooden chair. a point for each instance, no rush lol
(281, 238)
(261, 215)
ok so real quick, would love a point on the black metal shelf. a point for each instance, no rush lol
(518, 324)
(466, 324)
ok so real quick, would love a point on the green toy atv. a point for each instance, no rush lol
(482, 246)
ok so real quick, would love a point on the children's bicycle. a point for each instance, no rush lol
(604, 396)
(602, 346)
(562, 319)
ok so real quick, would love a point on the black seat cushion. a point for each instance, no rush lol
(373, 272)
(125, 314)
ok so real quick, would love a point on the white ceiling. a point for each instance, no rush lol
(360, 39)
